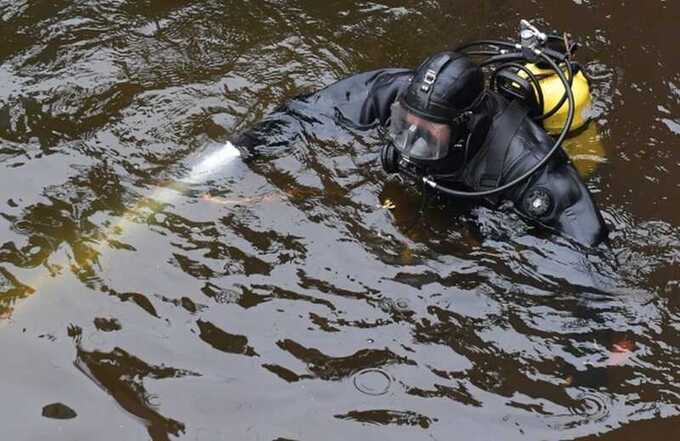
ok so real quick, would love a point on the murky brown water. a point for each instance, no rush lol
(286, 303)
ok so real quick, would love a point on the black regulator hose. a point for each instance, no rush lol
(563, 134)
(486, 43)
(570, 78)
(485, 52)
(503, 58)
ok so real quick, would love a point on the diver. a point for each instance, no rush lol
(449, 131)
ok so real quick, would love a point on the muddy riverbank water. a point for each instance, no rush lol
(301, 298)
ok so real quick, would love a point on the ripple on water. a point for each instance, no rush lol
(287, 263)
(594, 406)
(589, 407)
(372, 381)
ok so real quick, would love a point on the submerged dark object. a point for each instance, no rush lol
(58, 411)
(449, 133)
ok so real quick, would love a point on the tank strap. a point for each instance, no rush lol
(494, 149)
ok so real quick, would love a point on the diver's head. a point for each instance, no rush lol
(429, 118)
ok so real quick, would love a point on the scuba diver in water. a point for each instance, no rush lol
(449, 132)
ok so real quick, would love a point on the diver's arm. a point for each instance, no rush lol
(359, 100)
(272, 136)
(383, 92)
(559, 200)
(246, 143)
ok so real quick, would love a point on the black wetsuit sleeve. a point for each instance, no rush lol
(271, 135)
(377, 107)
(554, 196)
(558, 199)
(360, 101)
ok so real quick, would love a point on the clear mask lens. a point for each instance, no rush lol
(418, 138)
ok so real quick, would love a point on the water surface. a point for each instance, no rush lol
(308, 297)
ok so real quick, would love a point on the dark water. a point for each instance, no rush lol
(280, 300)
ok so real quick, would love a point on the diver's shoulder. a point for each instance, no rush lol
(359, 87)
(370, 78)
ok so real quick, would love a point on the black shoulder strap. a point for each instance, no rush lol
(498, 141)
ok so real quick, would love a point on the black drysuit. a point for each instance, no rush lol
(554, 197)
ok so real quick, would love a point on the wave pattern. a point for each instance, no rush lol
(257, 303)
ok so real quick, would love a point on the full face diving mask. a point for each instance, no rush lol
(422, 145)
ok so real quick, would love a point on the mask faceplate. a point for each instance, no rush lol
(418, 138)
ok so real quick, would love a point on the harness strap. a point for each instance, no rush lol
(431, 76)
(495, 148)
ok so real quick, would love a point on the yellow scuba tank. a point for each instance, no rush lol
(585, 148)
(553, 90)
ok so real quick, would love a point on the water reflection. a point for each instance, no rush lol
(121, 375)
(246, 303)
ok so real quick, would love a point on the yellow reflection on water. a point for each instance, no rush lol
(586, 150)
